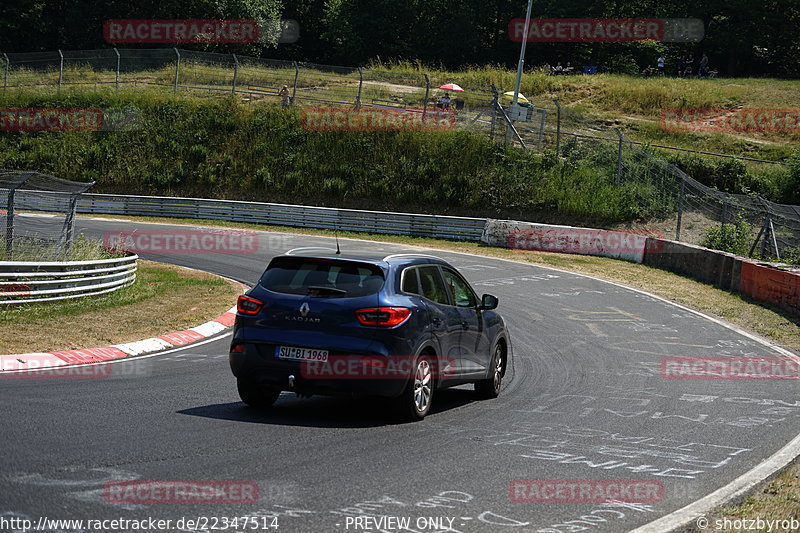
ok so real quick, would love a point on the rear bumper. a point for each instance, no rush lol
(343, 375)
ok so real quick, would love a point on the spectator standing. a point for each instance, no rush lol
(662, 64)
(689, 64)
(703, 66)
(681, 67)
(284, 94)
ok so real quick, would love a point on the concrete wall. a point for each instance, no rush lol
(759, 281)
(564, 239)
(720, 269)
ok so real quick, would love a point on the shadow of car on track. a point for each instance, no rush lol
(327, 412)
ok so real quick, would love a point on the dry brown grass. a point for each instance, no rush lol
(165, 298)
(778, 499)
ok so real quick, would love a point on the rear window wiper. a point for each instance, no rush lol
(315, 290)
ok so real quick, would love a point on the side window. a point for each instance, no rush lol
(432, 285)
(459, 290)
(410, 283)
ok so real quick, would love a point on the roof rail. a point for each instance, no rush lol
(411, 255)
(310, 249)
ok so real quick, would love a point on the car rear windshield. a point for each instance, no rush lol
(323, 278)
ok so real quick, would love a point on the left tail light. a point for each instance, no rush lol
(248, 306)
(387, 317)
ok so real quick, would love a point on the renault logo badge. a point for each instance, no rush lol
(304, 309)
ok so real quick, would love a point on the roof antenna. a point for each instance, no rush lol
(336, 234)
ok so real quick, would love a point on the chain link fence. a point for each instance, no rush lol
(37, 214)
(683, 208)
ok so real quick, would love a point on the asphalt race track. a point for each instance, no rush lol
(583, 399)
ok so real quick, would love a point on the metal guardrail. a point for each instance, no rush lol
(296, 216)
(23, 282)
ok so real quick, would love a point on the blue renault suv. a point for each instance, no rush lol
(399, 326)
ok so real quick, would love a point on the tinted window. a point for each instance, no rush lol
(432, 285)
(322, 278)
(459, 290)
(410, 281)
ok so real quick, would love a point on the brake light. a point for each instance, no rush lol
(383, 316)
(248, 306)
(238, 348)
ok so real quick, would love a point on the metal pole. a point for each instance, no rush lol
(360, 86)
(680, 210)
(235, 72)
(774, 240)
(767, 226)
(5, 79)
(522, 53)
(427, 95)
(558, 126)
(69, 226)
(60, 69)
(116, 81)
(619, 158)
(495, 105)
(10, 224)
(296, 77)
(177, 70)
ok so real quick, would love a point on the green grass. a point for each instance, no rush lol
(222, 148)
(163, 299)
(595, 103)
(151, 282)
(82, 249)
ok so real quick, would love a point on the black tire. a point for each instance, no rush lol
(415, 401)
(256, 395)
(489, 388)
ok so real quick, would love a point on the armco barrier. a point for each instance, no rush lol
(564, 239)
(720, 269)
(716, 268)
(23, 282)
(298, 216)
(768, 284)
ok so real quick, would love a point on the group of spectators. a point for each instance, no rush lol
(685, 68)
(559, 69)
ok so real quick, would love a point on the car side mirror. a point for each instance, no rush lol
(488, 302)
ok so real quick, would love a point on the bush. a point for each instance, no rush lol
(732, 238)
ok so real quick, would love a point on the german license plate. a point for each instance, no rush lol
(300, 354)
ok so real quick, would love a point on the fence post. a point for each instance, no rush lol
(619, 158)
(558, 126)
(360, 86)
(5, 78)
(296, 77)
(235, 72)
(680, 210)
(427, 94)
(60, 69)
(116, 80)
(10, 224)
(177, 70)
(68, 231)
(495, 103)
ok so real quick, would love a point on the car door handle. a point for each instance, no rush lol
(465, 324)
(436, 321)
